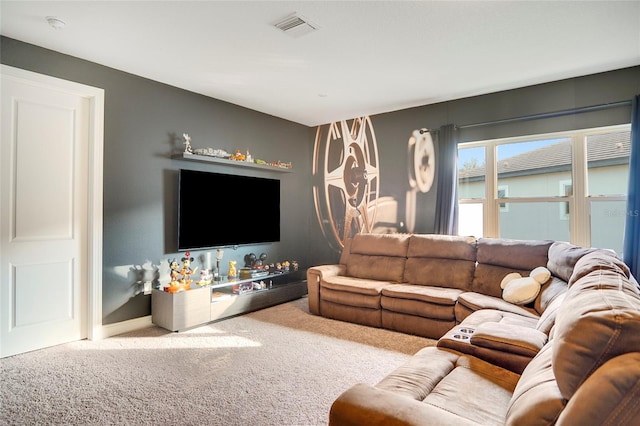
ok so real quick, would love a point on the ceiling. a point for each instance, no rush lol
(365, 58)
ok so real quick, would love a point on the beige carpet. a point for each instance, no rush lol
(277, 366)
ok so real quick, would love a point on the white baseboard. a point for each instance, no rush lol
(110, 330)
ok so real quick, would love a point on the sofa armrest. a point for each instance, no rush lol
(509, 338)
(367, 405)
(315, 275)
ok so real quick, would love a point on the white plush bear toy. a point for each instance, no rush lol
(522, 290)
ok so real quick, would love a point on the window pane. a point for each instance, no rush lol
(471, 173)
(608, 163)
(470, 219)
(534, 221)
(607, 224)
(535, 168)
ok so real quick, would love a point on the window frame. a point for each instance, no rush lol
(579, 202)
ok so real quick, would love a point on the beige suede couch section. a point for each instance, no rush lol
(571, 356)
(586, 373)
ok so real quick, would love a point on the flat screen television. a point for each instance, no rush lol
(222, 210)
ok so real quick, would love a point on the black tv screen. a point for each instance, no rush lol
(218, 210)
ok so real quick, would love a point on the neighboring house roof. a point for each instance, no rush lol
(602, 150)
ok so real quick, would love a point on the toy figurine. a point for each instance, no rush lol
(238, 156)
(205, 277)
(233, 272)
(186, 271)
(174, 284)
(187, 144)
(180, 283)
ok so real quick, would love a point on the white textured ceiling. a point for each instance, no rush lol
(368, 57)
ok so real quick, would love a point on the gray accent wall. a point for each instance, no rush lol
(144, 122)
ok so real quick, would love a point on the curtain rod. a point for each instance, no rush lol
(548, 114)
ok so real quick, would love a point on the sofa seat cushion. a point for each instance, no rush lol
(355, 285)
(473, 390)
(469, 302)
(363, 404)
(496, 316)
(352, 291)
(423, 301)
(435, 295)
(470, 388)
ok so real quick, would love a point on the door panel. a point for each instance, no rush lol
(44, 171)
(43, 225)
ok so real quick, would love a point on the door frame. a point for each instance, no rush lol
(95, 96)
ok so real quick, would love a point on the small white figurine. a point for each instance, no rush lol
(187, 144)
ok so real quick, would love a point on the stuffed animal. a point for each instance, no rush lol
(521, 290)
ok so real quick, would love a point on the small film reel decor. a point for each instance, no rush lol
(421, 168)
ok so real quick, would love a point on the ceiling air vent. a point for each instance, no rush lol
(296, 25)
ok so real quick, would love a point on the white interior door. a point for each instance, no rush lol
(44, 224)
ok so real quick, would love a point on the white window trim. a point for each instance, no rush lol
(579, 202)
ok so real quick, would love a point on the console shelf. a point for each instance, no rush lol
(200, 305)
(226, 162)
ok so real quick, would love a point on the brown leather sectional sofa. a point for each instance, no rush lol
(570, 356)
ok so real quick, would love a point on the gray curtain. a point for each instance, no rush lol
(446, 220)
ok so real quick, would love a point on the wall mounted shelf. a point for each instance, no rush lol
(226, 162)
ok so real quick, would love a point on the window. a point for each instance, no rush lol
(568, 186)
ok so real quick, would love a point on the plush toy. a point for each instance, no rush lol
(521, 290)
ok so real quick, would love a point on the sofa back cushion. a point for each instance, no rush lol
(380, 244)
(378, 256)
(549, 292)
(598, 320)
(563, 257)
(441, 261)
(498, 257)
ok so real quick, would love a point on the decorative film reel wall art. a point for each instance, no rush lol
(421, 162)
(346, 181)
